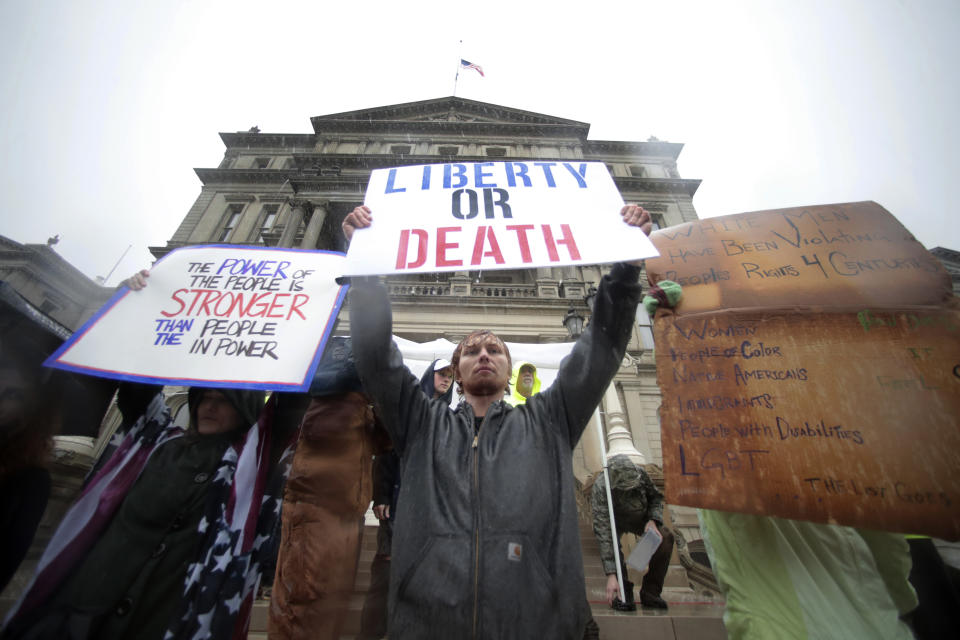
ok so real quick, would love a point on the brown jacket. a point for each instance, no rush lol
(329, 489)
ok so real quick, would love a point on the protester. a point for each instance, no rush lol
(486, 543)
(328, 491)
(164, 541)
(637, 507)
(523, 383)
(437, 384)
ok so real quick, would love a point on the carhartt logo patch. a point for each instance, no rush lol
(514, 551)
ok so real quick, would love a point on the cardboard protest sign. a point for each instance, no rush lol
(219, 316)
(832, 398)
(492, 215)
(844, 255)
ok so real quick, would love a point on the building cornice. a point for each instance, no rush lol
(320, 161)
(628, 148)
(244, 176)
(448, 108)
(248, 139)
(657, 185)
(454, 128)
(302, 180)
(946, 254)
(445, 117)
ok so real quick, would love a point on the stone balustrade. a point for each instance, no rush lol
(477, 290)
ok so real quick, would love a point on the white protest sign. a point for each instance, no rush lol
(493, 215)
(217, 316)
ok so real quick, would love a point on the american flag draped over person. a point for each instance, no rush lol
(242, 512)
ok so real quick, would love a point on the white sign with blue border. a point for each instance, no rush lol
(217, 316)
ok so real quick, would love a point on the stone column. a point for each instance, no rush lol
(312, 234)
(619, 440)
(297, 213)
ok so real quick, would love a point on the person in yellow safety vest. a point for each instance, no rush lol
(524, 383)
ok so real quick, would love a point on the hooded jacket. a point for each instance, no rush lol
(515, 396)
(486, 544)
(426, 384)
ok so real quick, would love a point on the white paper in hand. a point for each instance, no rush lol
(646, 546)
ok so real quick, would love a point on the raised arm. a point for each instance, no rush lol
(585, 374)
(396, 392)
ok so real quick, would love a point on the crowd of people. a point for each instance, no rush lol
(478, 536)
(175, 526)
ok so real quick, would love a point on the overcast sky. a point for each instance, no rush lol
(108, 106)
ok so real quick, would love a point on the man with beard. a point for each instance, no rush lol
(524, 383)
(486, 544)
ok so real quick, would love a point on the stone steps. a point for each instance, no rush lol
(686, 619)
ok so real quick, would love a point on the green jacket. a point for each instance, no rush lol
(636, 500)
(797, 580)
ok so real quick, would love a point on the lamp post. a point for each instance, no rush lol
(590, 297)
(573, 322)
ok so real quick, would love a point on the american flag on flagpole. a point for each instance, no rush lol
(469, 65)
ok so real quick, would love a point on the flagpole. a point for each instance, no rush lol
(457, 77)
(613, 521)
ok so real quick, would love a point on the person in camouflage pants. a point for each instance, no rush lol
(637, 506)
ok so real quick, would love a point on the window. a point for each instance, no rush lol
(400, 149)
(261, 163)
(232, 219)
(496, 152)
(637, 171)
(645, 325)
(448, 151)
(268, 219)
(610, 169)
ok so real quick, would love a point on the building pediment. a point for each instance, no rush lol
(448, 109)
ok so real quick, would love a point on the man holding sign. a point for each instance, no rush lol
(487, 544)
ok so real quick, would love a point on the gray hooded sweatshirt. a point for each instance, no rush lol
(487, 544)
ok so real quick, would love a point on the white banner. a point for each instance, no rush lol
(493, 215)
(218, 316)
